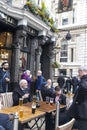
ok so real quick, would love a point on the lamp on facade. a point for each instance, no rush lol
(68, 36)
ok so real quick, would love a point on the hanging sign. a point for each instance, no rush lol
(65, 5)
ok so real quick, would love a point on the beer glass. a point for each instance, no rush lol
(51, 101)
(33, 107)
(20, 101)
(20, 113)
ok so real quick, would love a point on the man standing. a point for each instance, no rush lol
(78, 109)
(40, 81)
(61, 80)
(81, 100)
(4, 77)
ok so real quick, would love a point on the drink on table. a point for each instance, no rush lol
(33, 107)
(34, 98)
(20, 113)
(47, 100)
(51, 101)
(20, 101)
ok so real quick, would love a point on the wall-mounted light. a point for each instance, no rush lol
(68, 36)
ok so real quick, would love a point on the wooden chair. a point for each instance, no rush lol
(7, 99)
(66, 126)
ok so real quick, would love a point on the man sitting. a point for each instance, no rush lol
(47, 90)
(50, 117)
(58, 96)
(21, 91)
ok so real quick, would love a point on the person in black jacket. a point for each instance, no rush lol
(78, 109)
(58, 96)
(61, 81)
(47, 90)
(21, 91)
(50, 117)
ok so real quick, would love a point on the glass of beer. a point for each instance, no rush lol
(33, 107)
(20, 101)
(20, 113)
(51, 101)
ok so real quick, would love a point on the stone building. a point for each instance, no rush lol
(26, 42)
(73, 52)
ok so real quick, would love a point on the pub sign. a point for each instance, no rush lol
(65, 5)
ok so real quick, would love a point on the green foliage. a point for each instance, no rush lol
(43, 6)
(42, 12)
(55, 64)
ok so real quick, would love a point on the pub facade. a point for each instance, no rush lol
(26, 42)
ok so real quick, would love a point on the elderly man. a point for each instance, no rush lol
(47, 90)
(78, 109)
(40, 81)
(21, 91)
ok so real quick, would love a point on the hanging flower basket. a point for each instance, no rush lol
(55, 65)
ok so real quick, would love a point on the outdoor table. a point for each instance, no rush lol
(44, 107)
(27, 114)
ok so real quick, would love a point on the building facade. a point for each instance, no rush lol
(73, 52)
(25, 41)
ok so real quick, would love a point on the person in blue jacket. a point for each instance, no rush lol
(4, 77)
(5, 123)
(40, 81)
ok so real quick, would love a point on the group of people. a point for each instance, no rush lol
(68, 83)
(77, 110)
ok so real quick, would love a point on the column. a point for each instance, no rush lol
(15, 59)
(34, 46)
(38, 55)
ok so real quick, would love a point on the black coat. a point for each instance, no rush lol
(62, 99)
(18, 93)
(61, 81)
(78, 108)
(81, 99)
(47, 92)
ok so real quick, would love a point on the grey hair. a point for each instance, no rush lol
(21, 81)
(83, 68)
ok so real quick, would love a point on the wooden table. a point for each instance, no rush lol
(27, 114)
(44, 107)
